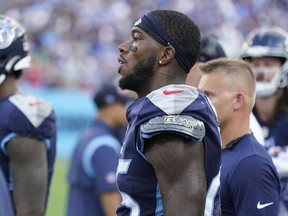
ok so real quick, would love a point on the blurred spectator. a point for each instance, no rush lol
(81, 37)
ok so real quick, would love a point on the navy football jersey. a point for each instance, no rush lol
(136, 177)
(5, 198)
(93, 169)
(26, 115)
(275, 134)
(249, 180)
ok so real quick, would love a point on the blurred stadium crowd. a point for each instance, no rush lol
(74, 43)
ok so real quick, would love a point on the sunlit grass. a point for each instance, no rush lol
(58, 191)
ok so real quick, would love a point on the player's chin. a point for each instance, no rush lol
(120, 69)
(123, 71)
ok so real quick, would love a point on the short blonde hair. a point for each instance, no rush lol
(239, 71)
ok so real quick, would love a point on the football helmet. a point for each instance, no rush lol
(210, 49)
(14, 47)
(268, 42)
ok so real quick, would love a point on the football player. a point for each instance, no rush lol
(27, 127)
(171, 155)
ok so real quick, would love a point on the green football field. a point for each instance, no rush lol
(58, 190)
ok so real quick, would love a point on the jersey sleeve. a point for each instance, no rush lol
(31, 116)
(182, 125)
(255, 187)
(171, 110)
(100, 161)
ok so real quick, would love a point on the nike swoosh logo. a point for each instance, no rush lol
(167, 92)
(261, 206)
(35, 103)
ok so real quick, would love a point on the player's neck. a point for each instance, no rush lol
(107, 117)
(233, 130)
(8, 87)
(266, 107)
(163, 78)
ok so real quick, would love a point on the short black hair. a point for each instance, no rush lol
(182, 30)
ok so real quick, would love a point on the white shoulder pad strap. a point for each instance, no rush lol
(35, 109)
(173, 99)
(182, 124)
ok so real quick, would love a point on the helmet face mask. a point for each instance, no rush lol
(14, 48)
(268, 43)
(264, 74)
(274, 81)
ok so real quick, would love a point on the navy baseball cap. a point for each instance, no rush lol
(110, 94)
(210, 49)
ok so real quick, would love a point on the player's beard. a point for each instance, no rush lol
(140, 78)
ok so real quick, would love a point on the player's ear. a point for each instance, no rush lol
(166, 54)
(239, 100)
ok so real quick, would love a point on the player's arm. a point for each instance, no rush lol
(110, 201)
(29, 170)
(173, 146)
(178, 163)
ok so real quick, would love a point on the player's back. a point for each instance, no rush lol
(26, 115)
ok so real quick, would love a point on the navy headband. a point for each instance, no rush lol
(151, 26)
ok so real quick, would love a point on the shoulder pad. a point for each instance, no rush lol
(181, 124)
(34, 108)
